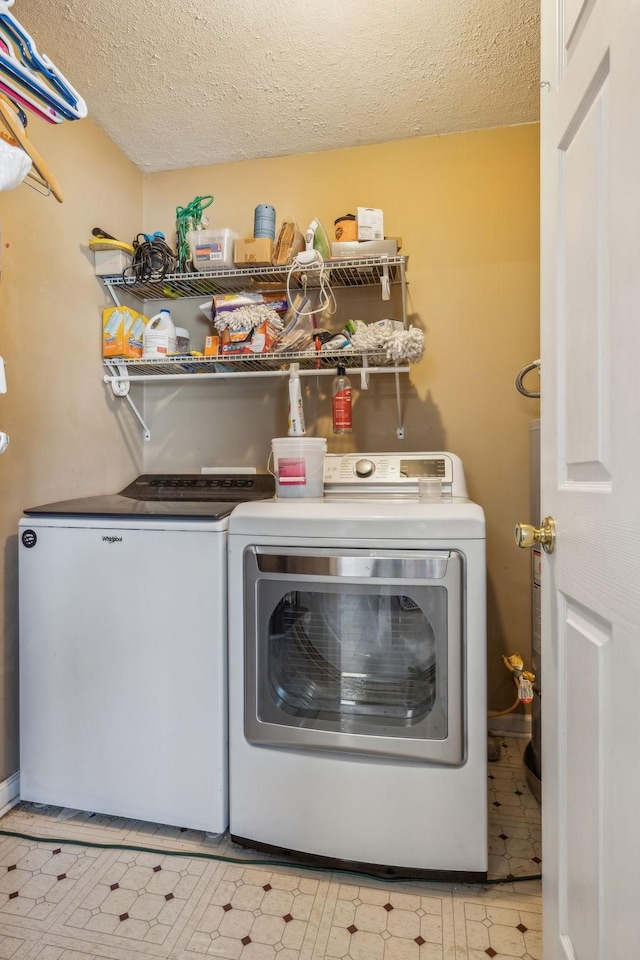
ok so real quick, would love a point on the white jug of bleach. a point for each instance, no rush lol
(159, 337)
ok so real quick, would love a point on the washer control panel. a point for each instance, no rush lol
(200, 487)
(391, 473)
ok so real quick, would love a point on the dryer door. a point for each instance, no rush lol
(358, 651)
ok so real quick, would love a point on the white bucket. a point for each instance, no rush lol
(298, 464)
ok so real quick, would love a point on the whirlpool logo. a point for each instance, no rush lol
(112, 539)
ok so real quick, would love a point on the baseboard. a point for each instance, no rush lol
(9, 793)
(511, 725)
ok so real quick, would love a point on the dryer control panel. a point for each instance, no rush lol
(392, 474)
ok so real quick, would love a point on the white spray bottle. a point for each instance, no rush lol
(296, 413)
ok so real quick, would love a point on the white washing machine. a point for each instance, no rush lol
(357, 670)
(123, 643)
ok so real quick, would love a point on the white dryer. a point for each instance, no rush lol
(357, 670)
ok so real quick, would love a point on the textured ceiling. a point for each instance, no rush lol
(192, 82)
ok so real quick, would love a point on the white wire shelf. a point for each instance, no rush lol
(356, 272)
(258, 364)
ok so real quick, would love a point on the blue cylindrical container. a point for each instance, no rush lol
(264, 221)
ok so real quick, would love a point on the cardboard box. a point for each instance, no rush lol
(110, 263)
(276, 299)
(234, 336)
(122, 330)
(224, 302)
(370, 223)
(212, 346)
(259, 340)
(256, 251)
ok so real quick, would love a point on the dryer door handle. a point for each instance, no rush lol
(417, 566)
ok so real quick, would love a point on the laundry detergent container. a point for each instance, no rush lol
(298, 466)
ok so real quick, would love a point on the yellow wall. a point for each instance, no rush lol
(466, 207)
(65, 440)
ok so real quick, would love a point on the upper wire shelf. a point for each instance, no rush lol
(323, 360)
(357, 272)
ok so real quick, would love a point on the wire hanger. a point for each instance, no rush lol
(40, 173)
(32, 78)
(23, 97)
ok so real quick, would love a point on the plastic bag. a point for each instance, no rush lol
(14, 165)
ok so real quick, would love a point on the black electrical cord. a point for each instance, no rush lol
(251, 862)
(152, 260)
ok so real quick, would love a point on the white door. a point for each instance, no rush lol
(591, 477)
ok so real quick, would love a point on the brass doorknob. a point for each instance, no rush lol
(527, 536)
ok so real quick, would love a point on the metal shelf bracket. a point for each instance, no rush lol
(400, 430)
(119, 380)
(120, 386)
(112, 293)
(364, 374)
(384, 281)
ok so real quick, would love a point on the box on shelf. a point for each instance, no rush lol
(122, 330)
(211, 249)
(212, 346)
(276, 299)
(370, 223)
(352, 249)
(225, 302)
(255, 251)
(228, 302)
(259, 340)
(110, 263)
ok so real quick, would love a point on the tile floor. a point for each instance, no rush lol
(69, 901)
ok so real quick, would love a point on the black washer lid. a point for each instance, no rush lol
(207, 496)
